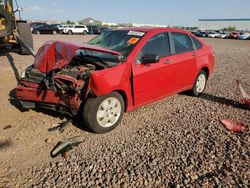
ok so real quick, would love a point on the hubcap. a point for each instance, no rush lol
(108, 112)
(201, 83)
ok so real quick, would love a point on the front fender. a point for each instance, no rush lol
(112, 79)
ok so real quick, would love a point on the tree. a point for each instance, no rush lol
(70, 22)
(230, 28)
(81, 23)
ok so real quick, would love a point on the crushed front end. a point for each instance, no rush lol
(60, 90)
(59, 78)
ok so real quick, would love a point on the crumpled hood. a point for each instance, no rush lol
(56, 54)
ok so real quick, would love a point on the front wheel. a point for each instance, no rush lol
(199, 84)
(70, 32)
(102, 114)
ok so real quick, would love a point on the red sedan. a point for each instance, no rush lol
(115, 72)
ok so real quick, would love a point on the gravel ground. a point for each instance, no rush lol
(176, 142)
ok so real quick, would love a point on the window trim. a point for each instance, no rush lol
(171, 40)
(173, 46)
(195, 47)
(170, 48)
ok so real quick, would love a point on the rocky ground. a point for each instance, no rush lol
(176, 142)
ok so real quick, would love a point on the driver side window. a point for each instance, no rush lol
(157, 45)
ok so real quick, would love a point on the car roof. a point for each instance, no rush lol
(153, 29)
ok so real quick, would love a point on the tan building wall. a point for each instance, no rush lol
(218, 24)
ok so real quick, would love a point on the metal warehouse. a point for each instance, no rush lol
(218, 24)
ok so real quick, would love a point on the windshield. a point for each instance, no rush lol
(119, 40)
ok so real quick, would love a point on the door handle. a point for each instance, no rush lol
(168, 61)
(194, 54)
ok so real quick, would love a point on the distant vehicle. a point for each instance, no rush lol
(213, 35)
(223, 35)
(244, 36)
(62, 27)
(115, 72)
(46, 29)
(105, 29)
(76, 29)
(201, 34)
(56, 25)
(36, 24)
(96, 30)
(233, 35)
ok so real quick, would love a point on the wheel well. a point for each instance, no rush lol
(123, 94)
(206, 70)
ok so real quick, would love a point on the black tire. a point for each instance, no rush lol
(70, 32)
(26, 37)
(85, 32)
(10, 22)
(194, 90)
(90, 110)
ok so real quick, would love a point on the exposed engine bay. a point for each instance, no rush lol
(62, 88)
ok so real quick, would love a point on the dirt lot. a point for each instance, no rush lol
(177, 141)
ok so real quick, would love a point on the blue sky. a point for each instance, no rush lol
(176, 12)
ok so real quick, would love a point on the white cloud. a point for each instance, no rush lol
(32, 9)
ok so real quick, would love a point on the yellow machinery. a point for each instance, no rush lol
(15, 35)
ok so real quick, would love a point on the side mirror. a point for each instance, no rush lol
(150, 58)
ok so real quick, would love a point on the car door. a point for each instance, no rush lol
(78, 29)
(152, 81)
(42, 29)
(45, 29)
(49, 29)
(185, 60)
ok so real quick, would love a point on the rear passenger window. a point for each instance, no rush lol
(182, 43)
(79, 26)
(197, 43)
(158, 44)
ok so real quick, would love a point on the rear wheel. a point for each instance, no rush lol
(199, 84)
(102, 114)
(26, 37)
(85, 33)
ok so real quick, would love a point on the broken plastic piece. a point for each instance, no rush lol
(62, 126)
(63, 147)
(246, 97)
(7, 127)
(234, 127)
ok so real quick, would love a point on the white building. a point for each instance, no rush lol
(218, 24)
(109, 24)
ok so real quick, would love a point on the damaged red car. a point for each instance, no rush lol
(114, 73)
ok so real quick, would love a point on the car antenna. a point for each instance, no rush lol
(170, 23)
